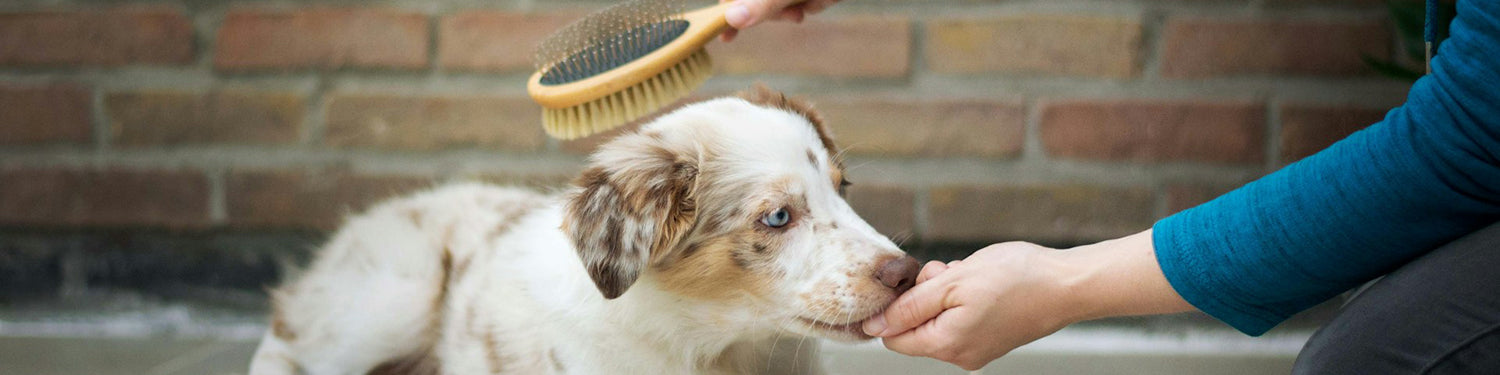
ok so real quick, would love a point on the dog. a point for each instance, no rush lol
(692, 245)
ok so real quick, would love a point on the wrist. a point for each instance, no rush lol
(1114, 278)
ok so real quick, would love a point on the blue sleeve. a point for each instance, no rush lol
(1422, 177)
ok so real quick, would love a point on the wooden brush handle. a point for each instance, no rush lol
(703, 25)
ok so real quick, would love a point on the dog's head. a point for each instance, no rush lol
(738, 202)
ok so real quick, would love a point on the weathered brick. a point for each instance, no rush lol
(1182, 196)
(926, 127)
(1050, 44)
(841, 47)
(1309, 128)
(307, 199)
(433, 123)
(43, 114)
(891, 210)
(103, 198)
(1061, 214)
(321, 38)
(166, 117)
(486, 40)
(1155, 130)
(1202, 47)
(110, 36)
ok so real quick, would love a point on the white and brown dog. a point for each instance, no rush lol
(691, 246)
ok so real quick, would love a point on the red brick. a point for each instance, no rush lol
(484, 40)
(1184, 196)
(1307, 129)
(41, 114)
(102, 36)
(1155, 130)
(433, 123)
(841, 47)
(326, 38)
(103, 198)
(1202, 47)
(1066, 214)
(307, 200)
(165, 118)
(926, 127)
(1049, 44)
(890, 210)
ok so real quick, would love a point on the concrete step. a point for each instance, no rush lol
(1069, 352)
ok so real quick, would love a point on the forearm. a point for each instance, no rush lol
(1119, 277)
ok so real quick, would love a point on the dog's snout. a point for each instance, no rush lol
(899, 273)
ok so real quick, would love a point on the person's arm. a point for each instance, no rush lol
(1006, 295)
(1426, 175)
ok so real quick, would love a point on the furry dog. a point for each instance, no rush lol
(690, 246)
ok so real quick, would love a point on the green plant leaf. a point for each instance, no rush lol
(1391, 69)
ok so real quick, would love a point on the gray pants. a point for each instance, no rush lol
(1439, 314)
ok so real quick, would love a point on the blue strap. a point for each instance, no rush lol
(1429, 33)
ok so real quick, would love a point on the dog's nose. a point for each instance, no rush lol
(899, 273)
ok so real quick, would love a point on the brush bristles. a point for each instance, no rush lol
(631, 103)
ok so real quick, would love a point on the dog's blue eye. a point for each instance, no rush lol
(777, 219)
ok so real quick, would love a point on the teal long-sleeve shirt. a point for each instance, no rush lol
(1426, 175)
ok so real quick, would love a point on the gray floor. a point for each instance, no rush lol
(59, 356)
(143, 337)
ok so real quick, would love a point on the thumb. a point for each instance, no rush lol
(918, 305)
(746, 13)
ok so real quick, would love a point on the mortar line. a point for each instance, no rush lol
(1162, 206)
(100, 123)
(1153, 25)
(1273, 134)
(1032, 149)
(916, 50)
(920, 215)
(218, 210)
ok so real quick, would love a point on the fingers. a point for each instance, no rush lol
(916, 306)
(932, 269)
(921, 341)
(792, 13)
(746, 13)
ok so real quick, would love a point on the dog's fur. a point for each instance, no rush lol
(659, 260)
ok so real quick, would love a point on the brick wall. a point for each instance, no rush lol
(966, 122)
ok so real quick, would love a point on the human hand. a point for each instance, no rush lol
(973, 311)
(747, 13)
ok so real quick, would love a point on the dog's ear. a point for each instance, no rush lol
(631, 205)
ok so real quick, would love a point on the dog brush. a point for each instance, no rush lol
(622, 63)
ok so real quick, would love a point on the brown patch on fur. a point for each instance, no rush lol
(422, 362)
(279, 326)
(281, 330)
(812, 158)
(415, 215)
(557, 364)
(442, 296)
(649, 186)
(492, 355)
(723, 267)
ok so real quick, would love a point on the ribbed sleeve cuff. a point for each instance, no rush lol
(1182, 254)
